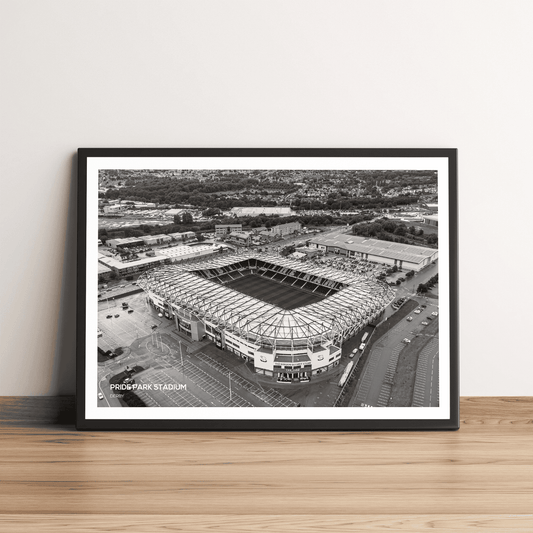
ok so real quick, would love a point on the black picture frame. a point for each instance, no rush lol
(88, 411)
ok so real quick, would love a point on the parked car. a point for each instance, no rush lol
(424, 323)
(109, 316)
(100, 396)
(435, 313)
(409, 318)
(418, 311)
(116, 316)
(130, 311)
(406, 340)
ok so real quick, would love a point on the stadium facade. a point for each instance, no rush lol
(288, 339)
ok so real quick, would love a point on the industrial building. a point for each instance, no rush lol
(256, 211)
(184, 236)
(285, 229)
(151, 240)
(182, 253)
(127, 242)
(113, 208)
(104, 272)
(221, 230)
(131, 267)
(241, 238)
(404, 256)
(431, 220)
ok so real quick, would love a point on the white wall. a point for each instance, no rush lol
(285, 73)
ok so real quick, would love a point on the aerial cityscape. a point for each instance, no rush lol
(268, 288)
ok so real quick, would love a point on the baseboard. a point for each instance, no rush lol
(37, 410)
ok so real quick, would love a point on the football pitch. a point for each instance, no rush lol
(274, 292)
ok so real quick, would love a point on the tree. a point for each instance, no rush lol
(177, 219)
(133, 233)
(288, 250)
(410, 274)
(400, 230)
(211, 211)
(432, 239)
(422, 288)
(389, 226)
(186, 218)
(199, 237)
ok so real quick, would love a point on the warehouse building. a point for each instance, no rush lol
(221, 230)
(104, 272)
(285, 229)
(183, 253)
(241, 238)
(123, 268)
(404, 256)
(431, 220)
(151, 240)
(127, 242)
(183, 236)
(256, 211)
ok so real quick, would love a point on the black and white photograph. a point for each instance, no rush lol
(312, 287)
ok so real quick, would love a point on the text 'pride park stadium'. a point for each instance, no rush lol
(288, 317)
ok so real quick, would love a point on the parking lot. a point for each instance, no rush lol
(203, 388)
(167, 397)
(122, 330)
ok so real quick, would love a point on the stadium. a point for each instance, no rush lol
(289, 318)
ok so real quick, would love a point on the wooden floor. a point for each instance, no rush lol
(480, 478)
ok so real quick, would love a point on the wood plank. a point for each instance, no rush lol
(480, 477)
(224, 473)
(60, 410)
(453, 523)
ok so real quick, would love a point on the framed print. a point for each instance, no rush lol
(267, 289)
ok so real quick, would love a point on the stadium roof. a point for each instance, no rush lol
(263, 322)
(391, 250)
